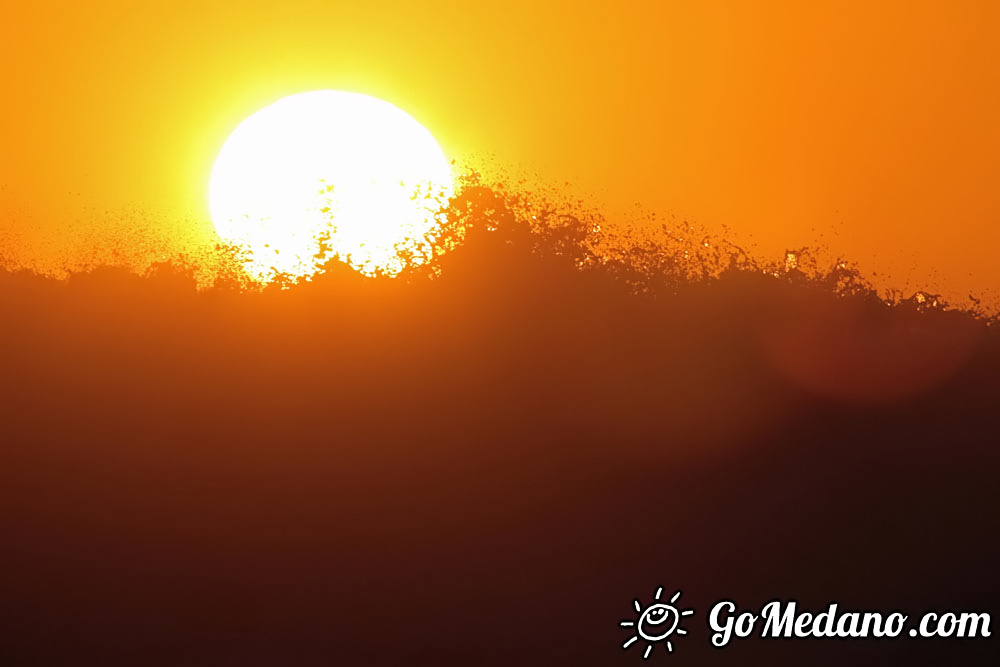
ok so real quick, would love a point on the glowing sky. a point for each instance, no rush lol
(872, 127)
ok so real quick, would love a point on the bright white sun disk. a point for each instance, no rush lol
(328, 173)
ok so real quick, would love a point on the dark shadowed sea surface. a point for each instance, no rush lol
(485, 464)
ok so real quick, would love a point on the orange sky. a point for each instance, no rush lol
(874, 127)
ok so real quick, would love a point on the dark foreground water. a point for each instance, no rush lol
(486, 468)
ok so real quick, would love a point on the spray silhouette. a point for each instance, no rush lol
(478, 461)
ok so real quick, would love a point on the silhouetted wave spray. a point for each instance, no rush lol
(482, 460)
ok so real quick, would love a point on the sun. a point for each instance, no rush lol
(656, 623)
(329, 174)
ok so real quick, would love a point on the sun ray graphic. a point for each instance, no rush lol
(656, 623)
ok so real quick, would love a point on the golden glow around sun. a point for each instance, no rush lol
(328, 173)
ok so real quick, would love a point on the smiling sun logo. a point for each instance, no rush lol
(656, 623)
